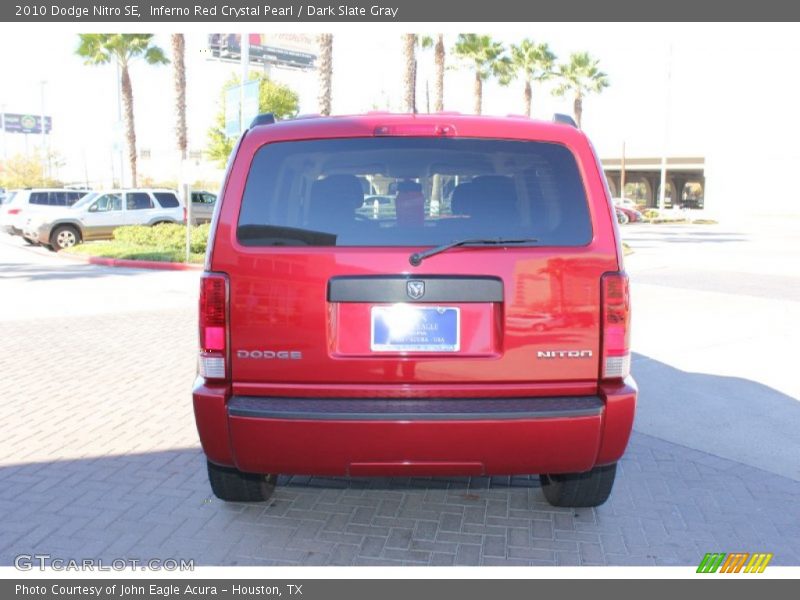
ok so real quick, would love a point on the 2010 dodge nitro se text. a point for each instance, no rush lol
(414, 295)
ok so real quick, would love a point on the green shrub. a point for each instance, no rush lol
(168, 236)
(650, 213)
(200, 237)
(134, 234)
(670, 220)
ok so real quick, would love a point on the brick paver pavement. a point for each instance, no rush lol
(99, 458)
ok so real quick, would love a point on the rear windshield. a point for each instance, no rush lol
(389, 191)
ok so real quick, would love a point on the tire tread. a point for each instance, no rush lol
(232, 485)
(591, 488)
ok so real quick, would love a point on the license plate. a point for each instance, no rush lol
(411, 328)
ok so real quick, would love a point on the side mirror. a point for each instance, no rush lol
(93, 208)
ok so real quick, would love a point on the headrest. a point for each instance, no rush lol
(486, 197)
(338, 193)
(460, 199)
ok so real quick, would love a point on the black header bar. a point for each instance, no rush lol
(411, 11)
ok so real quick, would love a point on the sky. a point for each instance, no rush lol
(712, 90)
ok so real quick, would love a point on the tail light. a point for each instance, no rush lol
(214, 326)
(616, 307)
(14, 211)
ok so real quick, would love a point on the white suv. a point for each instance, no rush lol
(96, 216)
(24, 204)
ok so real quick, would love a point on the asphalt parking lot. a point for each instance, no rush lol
(99, 455)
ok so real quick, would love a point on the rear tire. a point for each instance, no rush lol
(64, 237)
(232, 485)
(579, 489)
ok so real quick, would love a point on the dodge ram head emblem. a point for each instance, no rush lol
(415, 289)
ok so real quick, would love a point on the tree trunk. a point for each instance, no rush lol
(439, 83)
(325, 41)
(179, 66)
(409, 72)
(578, 109)
(478, 91)
(130, 130)
(427, 97)
(528, 95)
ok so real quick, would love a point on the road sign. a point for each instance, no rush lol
(240, 104)
(250, 101)
(232, 123)
(18, 123)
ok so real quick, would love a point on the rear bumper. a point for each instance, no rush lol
(37, 235)
(414, 437)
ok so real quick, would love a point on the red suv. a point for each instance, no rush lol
(414, 295)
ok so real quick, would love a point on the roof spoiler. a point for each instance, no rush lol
(564, 120)
(263, 119)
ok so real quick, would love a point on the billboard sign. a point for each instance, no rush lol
(291, 52)
(17, 123)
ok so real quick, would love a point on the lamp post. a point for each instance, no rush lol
(3, 129)
(45, 157)
(245, 63)
(668, 101)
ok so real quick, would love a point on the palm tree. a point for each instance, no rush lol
(410, 72)
(325, 41)
(179, 75)
(534, 62)
(487, 59)
(427, 42)
(103, 48)
(438, 60)
(581, 77)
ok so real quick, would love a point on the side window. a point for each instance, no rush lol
(58, 199)
(107, 203)
(139, 201)
(39, 198)
(209, 198)
(167, 200)
(73, 197)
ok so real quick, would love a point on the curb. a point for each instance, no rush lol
(131, 263)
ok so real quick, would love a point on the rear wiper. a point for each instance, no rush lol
(417, 258)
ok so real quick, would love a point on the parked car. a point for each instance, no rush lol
(377, 206)
(627, 215)
(629, 203)
(337, 344)
(202, 207)
(29, 202)
(695, 203)
(97, 215)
